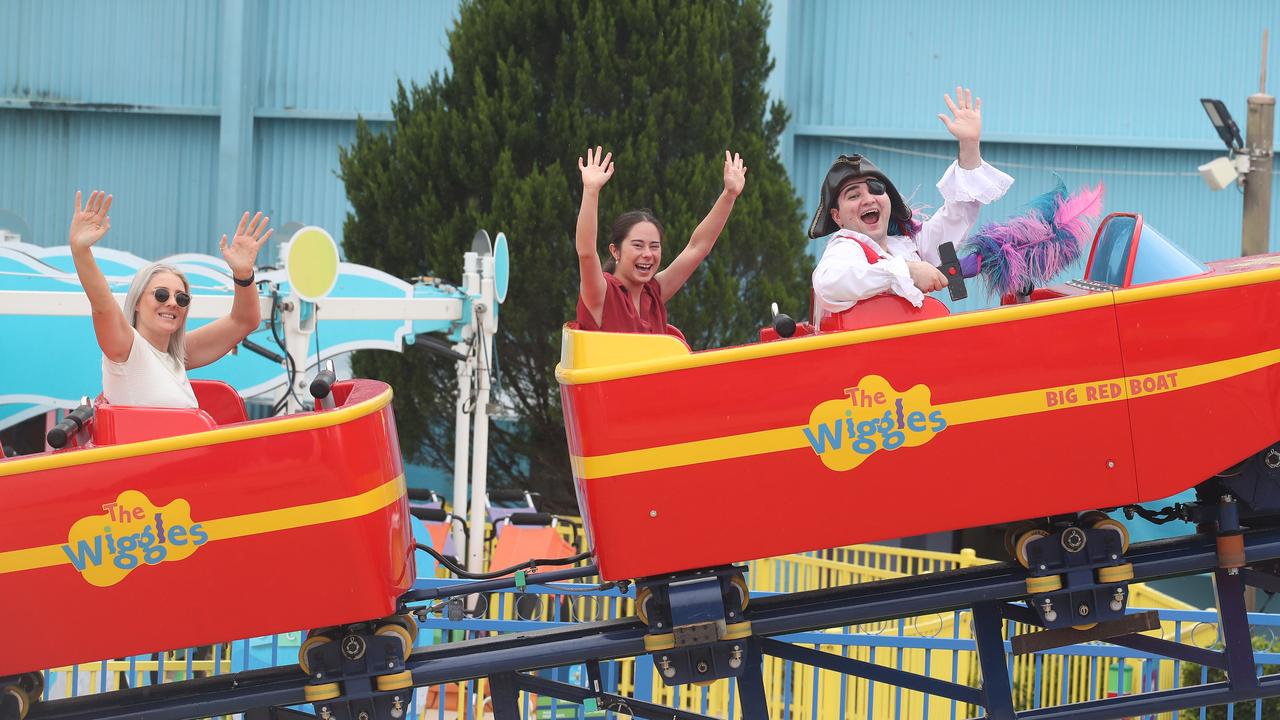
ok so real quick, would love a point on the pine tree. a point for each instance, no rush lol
(667, 85)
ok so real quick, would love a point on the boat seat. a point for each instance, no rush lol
(886, 309)
(220, 401)
(119, 424)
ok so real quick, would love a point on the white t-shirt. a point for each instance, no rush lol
(148, 378)
(843, 276)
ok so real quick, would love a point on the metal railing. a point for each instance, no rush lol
(939, 646)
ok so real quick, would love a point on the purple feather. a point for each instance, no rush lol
(1007, 251)
(1031, 249)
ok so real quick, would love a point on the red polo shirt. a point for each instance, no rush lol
(619, 313)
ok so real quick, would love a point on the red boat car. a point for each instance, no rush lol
(164, 528)
(1150, 376)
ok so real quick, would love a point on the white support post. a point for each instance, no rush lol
(462, 431)
(461, 447)
(479, 461)
(486, 326)
(299, 318)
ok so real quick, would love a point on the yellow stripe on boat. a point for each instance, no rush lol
(957, 413)
(227, 528)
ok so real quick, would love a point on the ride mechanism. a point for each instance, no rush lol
(1147, 340)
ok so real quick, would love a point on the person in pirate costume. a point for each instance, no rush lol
(878, 247)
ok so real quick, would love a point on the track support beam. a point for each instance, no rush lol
(988, 633)
(751, 694)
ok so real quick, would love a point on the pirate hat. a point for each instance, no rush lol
(844, 169)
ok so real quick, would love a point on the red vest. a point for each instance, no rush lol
(873, 257)
(619, 314)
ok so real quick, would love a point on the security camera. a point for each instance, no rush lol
(1221, 172)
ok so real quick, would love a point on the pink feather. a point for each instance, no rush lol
(1075, 213)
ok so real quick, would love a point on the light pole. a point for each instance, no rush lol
(1249, 161)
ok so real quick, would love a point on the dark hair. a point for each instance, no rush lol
(910, 228)
(623, 224)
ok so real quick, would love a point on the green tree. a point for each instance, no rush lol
(1194, 674)
(667, 86)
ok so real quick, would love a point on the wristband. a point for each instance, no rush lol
(243, 283)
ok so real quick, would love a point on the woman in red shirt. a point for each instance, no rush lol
(632, 297)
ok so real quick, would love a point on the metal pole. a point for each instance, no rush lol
(462, 429)
(506, 697)
(299, 320)
(751, 690)
(485, 327)
(479, 465)
(1233, 623)
(988, 636)
(1256, 238)
(462, 446)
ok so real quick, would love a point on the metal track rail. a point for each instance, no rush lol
(504, 658)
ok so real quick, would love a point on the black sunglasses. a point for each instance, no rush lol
(162, 296)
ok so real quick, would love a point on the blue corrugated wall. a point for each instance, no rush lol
(180, 107)
(183, 108)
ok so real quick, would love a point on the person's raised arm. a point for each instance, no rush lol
(708, 231)
(596, 171)
(965, 186)
(965, 126)
(209, 343)
(89, 223)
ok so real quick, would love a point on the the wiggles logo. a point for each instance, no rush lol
(871, 416)
(131, 532)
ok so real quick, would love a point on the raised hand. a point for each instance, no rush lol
(90, 221)
(243, 250)
(735, 174)
(966, 123)
(596, 170)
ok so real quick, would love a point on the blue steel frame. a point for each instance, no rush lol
(507, 660)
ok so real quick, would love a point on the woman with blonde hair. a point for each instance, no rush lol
(146, 350)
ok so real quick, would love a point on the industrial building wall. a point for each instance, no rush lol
(191, 110)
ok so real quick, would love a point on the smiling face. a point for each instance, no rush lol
(155, 318)
(639, 254)
(859, 210)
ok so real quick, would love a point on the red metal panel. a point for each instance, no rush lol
(1184, 435)
(736, 510)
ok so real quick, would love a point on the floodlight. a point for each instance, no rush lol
(1222, 122)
